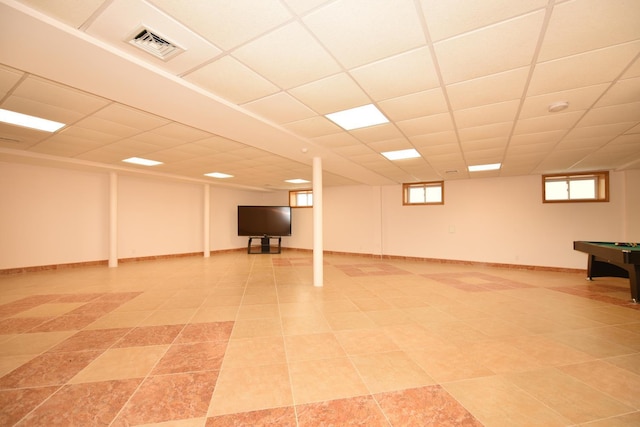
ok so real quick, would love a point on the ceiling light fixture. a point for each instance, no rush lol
(487, 167)
(297, 181)
(28, 121)
(359, 117)
(410, 153)
(218, 175)
(141, 161)
(558, 106)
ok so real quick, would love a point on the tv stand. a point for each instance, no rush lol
(265, 245)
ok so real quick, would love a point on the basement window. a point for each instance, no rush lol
(579, 187)
(301, 198)
(423, 193)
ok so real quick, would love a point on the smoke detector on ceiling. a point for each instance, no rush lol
(155, 44)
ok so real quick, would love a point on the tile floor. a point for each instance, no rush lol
(247, 340)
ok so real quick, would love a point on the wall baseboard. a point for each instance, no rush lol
(243, 249)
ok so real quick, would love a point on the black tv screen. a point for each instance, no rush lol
(264, 221)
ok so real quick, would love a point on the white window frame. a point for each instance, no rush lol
(600, 186)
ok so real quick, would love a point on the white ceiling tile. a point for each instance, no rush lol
(280, 108)
(330, 94)
(609, 129)
(427, 124)
(8, 79)
(448, 138)
(488, 114)
(362, 31)
(537, 150)
(495, 130)
(496, 146)
(633, 71)
(583, 25)
(579, 99)
(131, 117)
(288, 56)
(72, 12)
(47, 92)
(501, 47)
(227, 23)
(446, 18)
(377, 133)
(623, 91)
(612, 114)
(336, 140)
(180, 132)
(439, 150)
(20, 138)
(585, 142)
(66, 145)
(390, 145)
(355, 150)
(414, 105)
(313, 127)
(45, 110)
(302, 6)
(550, 122)
(232, 80)
(586, 69)
(398, 75)
(537, 138)
(97, 124)
(488, 90)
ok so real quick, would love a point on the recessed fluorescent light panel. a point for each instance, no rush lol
(401, 154)
(142, 162)
(359, 117)
(28, 121)
(297, 181)
(218, 175)
(480, 168)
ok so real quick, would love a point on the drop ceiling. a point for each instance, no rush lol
(464, 82)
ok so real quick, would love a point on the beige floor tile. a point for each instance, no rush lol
(568, 396)
(218, 314)
(250, 388)
(496, 402)
(255, 352)
(390, 371)
(50, 309)
(362, 341)
(586, 341)
(168, 317)
(630, 362)
(389, 317)
(252, 328)
(612, 380)
(312, 347)
(315, 323)
(120, 319)
(121, 363)
(258, 311)
(447, 363)
(32, 344)
(325, 379)
(340, 321)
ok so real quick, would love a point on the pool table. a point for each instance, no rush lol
(609, 259)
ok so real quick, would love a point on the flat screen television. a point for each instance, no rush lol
(264, 221)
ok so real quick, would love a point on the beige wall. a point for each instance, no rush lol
(57, 216)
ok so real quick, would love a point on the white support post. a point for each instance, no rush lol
(207, 219)
(318, 266)
(113, 219)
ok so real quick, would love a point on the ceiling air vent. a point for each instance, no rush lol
(154, 44)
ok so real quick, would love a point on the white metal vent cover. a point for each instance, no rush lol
(158, 46)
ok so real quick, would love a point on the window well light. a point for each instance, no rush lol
(28, 121)
(359, 117)
(296, 181)
(488, 167)
(218, 175)
(410, 153)
(141, 161)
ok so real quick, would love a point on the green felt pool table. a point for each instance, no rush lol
(609, 259)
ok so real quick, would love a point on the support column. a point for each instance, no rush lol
(113, 219)
(207, 221)
(318, 263)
